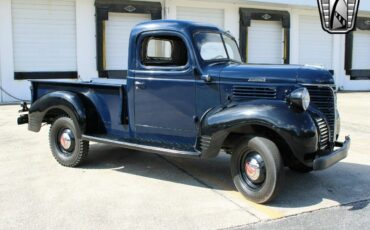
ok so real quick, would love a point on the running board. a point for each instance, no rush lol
(145, 148)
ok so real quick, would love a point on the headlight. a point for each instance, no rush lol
(300, 98)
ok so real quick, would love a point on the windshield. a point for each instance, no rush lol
(215, 47)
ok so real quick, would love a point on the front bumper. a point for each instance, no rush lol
(328, 160)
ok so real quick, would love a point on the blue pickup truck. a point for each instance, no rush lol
(189, 94)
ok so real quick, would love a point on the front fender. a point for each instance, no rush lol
(69, 102)
(296, 128)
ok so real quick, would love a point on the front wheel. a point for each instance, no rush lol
(67, 148)
(257, 169)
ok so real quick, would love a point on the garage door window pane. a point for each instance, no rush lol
(361, 49)
(197, 14)
(117, 35)
(265, 42)
(44, 35)
(315, 45)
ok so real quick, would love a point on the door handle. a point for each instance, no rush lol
(207, 78)
(139, 85)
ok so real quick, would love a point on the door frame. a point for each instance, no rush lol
(103, 8)
(167, 75)
(248, 14)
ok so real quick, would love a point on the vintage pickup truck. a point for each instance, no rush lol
(188, 94)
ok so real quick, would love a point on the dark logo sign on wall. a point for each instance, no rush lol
(338, 16)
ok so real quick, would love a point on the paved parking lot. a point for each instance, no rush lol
(125, 189)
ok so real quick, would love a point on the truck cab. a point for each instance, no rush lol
(189, 94)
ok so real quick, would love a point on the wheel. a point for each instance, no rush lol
(257, 169)
(299, 167)
(67, 148)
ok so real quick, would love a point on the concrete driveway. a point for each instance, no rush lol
(125, 189)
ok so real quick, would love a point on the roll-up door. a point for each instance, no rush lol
(361, 50)
(204, 15)
(117, 35)
(265, 42)
(44, 35)
(315, 45)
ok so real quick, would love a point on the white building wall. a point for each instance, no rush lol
(1, 92)
(365, 5)
(86, 37)
(19, 89)
(85, 49)
(344, 80)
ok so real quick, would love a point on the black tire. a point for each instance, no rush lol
(78, 150)
(258, 191)
(299, 167)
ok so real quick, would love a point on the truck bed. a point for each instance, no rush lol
(107, 97)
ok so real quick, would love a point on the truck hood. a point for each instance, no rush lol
(276, 74)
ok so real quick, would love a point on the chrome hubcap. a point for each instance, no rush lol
(66, 140)
(254, 168)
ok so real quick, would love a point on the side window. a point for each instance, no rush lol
(164, 51)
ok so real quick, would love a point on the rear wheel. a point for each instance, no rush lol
(67, 148)
(257, 169)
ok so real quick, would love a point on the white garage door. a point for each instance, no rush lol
(315, 45)
(361, 50)
(265, 42)
(44, 35)
(204, 15)
(117, 34)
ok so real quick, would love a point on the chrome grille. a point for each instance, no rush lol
(323, 98)
(250, 92)
(323, 133)
(204, 143)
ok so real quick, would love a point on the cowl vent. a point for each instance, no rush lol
(248, 92)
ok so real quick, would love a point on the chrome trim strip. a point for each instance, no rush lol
(333, 137)
(320, 85)
(145, 148)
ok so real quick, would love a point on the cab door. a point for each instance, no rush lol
(164, 88)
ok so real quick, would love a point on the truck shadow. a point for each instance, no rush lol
(344, 183)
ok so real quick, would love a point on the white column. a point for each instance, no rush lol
(1, 93)
(86, 39)
(18, 88)
(294, 37)
(232, 20)
(170, 9)
(5, 20)
(338, 59)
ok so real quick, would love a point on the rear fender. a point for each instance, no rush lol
(68, 102)
(296, 128)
